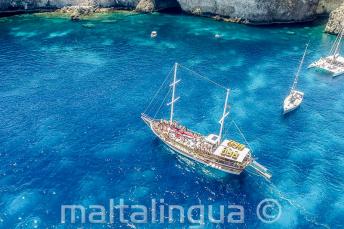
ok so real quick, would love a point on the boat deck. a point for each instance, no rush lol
(230, 156)
(334, 65)
(232, 150)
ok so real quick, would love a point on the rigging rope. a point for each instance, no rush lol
(162, 103)
(156, 94)
(164, 82)
(242, 135)
(203, 77)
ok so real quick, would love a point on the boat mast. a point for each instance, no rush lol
(224, 115)
(173, 85)
(336, 51)
(299, 69)
(334, 45)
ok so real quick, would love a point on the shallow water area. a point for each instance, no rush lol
(71, 133)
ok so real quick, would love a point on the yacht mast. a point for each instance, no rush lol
(334, 45)
(224, 115)
(336, 51)
(299, 69)
(173, 85)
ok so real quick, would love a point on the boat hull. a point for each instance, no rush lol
(238, 172)
(207, 158)
(289, 106)
(327, 65)
(203, 160)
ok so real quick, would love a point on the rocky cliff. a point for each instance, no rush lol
(253, 11)
(147, 6)
(261, 11)
(327, 6)
(336, 22)
(34, 4)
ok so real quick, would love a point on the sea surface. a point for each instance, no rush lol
(71, 96)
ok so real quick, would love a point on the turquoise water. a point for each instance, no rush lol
(71, 133)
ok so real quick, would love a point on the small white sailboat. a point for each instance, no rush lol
(154, 34)
(334, 63)
(295, 97)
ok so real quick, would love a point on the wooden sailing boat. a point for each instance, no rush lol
(225, 155)
(295, 97)
(334, 63)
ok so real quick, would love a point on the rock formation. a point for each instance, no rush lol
(246, 11)
(145, 6)
(260, 11)
(77, 12)
(327, 6)
(336, 22)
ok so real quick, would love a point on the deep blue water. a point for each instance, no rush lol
(71, 133)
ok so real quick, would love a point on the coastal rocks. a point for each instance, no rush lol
(148, 6)
(11, 5)
(243, 11)
(140, 5)
(75, 17)
(327, 6)
(254, 11)
(336, 21)
(76, 12)
(145, 6)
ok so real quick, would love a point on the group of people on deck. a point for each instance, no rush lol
(181, 135)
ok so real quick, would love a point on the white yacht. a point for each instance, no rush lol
(295, 97)
(334, 63)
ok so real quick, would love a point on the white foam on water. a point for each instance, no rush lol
(30, 223)
(22, 202)
(24, 34)
(59, 34)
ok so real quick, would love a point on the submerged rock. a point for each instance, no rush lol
(336, 22)
(88, 25)
(75, 17)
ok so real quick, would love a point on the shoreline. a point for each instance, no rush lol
(103, 10)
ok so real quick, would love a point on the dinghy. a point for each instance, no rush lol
(154, 34)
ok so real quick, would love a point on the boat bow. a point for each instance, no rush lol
(148, 120)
